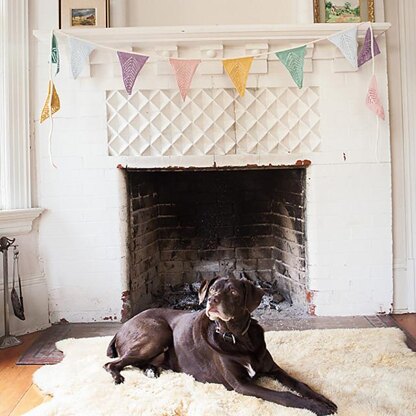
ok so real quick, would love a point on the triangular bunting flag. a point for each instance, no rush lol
(80, 51)
(131, 65)
(184, 72)
(346, 42)
(293, 60)
(55, 54)
(51, 103)
(365, 53)
(238, 69)
(373, 99)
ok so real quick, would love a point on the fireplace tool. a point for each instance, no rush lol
(7, 340)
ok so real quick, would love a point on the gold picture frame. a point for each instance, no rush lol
(367, 12)
(84, 14)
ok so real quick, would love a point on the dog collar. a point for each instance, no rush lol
(229, 336)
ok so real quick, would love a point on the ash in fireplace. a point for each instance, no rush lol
(185, 297)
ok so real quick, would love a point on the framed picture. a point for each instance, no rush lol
(343, 11)
(83, 14)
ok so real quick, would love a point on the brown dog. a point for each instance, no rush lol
(222, 344)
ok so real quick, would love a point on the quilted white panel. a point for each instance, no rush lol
(213, 121)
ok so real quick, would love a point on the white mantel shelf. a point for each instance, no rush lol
(194, 34)
(18, 221)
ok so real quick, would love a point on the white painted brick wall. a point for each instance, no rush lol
(349, 238)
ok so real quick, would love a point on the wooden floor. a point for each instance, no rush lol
(18, 394)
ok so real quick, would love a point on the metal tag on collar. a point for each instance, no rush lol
(228, 336)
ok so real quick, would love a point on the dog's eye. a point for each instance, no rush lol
(234, 292)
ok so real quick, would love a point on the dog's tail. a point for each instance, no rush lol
(111, 350)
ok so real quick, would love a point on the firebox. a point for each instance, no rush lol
(187, 225)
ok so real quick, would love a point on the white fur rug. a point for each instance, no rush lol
(366, 372)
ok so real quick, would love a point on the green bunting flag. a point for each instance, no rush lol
(55, 54)
(293, 60)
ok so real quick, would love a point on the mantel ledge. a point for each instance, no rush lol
(200, 34)
(18, 221)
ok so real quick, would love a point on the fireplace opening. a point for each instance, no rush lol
(188, 225)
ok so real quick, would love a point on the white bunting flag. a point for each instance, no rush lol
(346, 42)
(80, 51)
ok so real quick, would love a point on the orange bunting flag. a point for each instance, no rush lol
(184, 72)
(52, 103)
(373, 100)
(238, 69)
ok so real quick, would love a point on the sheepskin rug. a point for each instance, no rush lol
(367, 372)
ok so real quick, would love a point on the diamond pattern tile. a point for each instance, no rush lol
(213, 122)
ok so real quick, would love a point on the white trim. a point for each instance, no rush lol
(14, 107)
(18, 221)
(28, 281)
(407, 12)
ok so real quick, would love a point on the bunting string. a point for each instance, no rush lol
(237, 68)
(109, 48)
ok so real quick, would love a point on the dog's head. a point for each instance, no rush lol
(229, 298)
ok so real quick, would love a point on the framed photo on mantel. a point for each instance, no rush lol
(342, 11)
(83, 14)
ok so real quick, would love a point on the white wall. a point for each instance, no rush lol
(199, 12)
(34, 287)
(402, 81)
(80, 240)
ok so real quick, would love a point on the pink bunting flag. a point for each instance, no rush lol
(131, 65)
(373, 99)
(184, 72)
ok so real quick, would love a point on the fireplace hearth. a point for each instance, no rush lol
(193, 224)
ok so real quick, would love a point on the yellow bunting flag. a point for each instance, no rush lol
(51, 103)
(238, 69)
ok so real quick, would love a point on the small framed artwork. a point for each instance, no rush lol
(342, 11)
(83, 14)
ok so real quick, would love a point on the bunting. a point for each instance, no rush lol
(184, 72)
(238, 69)
(365, 53)
(373, 99)
(55, 54)
(52, 103)
(131, 65)
(346, 42)
(80, 51)
(293, 60)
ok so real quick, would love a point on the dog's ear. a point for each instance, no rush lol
(252, 295)
(203, 290)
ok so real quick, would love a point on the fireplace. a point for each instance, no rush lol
(193, 224)
(322, 231)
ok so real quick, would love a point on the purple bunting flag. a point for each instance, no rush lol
(131, 65)
(365, 53)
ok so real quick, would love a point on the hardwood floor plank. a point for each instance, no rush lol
(407, 322)
(32, 398)
(15, 380)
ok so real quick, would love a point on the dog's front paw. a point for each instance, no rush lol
(322, 408)
(118, 379)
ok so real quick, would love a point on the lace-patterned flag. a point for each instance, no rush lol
(131, 65)
(238, 69)
(55, 54)
(365, 54)
(346, 42)
(184, 72)
(80, 51)
(51, 103)
(293, 60)
(373, 99)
